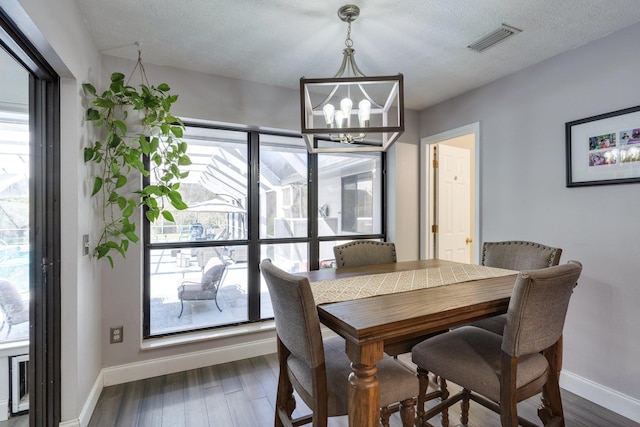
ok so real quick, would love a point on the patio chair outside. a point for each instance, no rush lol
(207, 288)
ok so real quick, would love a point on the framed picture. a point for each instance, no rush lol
(604, 149)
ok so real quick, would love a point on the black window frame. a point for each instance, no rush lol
(253, 241)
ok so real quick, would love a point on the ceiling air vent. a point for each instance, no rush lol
(493, 38)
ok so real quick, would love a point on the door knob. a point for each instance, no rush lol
(468, 240)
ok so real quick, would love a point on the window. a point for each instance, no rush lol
(251, 195)
(179, 294)
(283, 188)
(357, 203)
(350, 196)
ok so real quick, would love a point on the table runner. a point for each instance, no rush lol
(349, 288)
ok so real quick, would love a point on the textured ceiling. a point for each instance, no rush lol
(279, 41)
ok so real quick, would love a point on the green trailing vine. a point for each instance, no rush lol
(119, 154)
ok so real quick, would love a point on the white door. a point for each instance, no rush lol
(453, 201)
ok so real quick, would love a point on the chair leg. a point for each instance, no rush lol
(423, 384)
(385, 414)
(216, 300)
(181, 308)
(408, 412)
(509, 413)
(285, 401)
(551, 399)
(444, 395)
(552, 390)
(464, 408)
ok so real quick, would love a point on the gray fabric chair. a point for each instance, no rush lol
(507, 369)
(318, 369)
(14, 310)
(519, 256)
(206, 288)
(364, 252)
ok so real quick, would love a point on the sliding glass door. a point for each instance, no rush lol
(29, 226)
(14, 201)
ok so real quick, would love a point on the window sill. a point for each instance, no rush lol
(14, 348)
(195, 337)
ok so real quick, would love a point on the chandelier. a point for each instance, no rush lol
(350, 111)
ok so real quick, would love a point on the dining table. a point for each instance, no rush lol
(388, 308)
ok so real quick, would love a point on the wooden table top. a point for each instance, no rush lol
(401, 316)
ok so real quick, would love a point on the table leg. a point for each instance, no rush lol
(364, 388)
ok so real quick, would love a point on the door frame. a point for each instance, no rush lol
(44, 375)
(426, 182)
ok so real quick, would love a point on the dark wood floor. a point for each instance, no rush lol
(242, 394)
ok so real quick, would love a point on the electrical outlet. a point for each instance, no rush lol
(116, 335)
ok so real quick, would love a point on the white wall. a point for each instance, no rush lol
(523, 196)
(403, 191)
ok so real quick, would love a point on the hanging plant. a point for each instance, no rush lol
(120, 152)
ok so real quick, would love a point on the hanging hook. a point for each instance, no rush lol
(143, 74)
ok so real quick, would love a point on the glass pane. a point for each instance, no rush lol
(290, 257)
(283, 187)
(216, 190)
(14, 200)
(192, 288)
(349, 194)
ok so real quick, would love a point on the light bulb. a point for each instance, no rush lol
(339, 116)
(345, 106)
(365, 107)
(364, 113)
(328, 111)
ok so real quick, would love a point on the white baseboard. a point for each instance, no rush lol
(600, 395)
(91, 402)
(89, 405)
(184, 362)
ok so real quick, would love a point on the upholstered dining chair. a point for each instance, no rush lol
(14, 309)
(500, 371)
(316, 368)
(519, 256)
(364, 252)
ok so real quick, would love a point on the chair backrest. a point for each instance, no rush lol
(15, 311)
(295, 313)
(212, 275)
(538, 308)
(364, 252)
(519, 255)
(205, 255)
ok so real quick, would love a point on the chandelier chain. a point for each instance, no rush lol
(348, 42)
